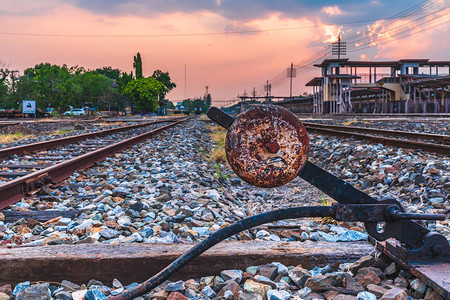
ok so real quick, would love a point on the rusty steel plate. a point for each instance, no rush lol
(267, 146)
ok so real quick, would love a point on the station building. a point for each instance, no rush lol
(403, 86)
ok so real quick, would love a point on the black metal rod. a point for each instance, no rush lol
(411, 216)
(220, 235)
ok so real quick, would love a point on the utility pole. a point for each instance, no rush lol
(267, 88)
(338, 48)
(13, 78)
(291, 73)
(185, 82)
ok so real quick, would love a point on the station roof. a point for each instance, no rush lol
(386, 64)
(342, 76)
(326, 62)
(316, 81)
(363, 91)
(345, 62)
(431, 82)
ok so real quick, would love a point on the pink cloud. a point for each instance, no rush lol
(332, 10)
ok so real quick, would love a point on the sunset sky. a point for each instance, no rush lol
(228, 45)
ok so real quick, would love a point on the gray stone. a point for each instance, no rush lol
(281, 269)
(249, 296)
(69, 286)
(232, 287)
(190, 293)
(4, 296)
(366, 296)
(20, 287)
(109, 233)
(316, 296)
(63, 295)
(265, 280)
(35, 292)
(391, 270)
(395, 294)
(278, 295)
(323, 282)
(175, 286)
(304, 292)
(345, 297)
(299, 276)
(269, 271)
(364, 261)
(235, 275)
(366, 270)
(94, 295)
(418, 285)
(79, 127)
(94, 282)
(228, 295)
(377, 290)
(351, 283)
(436, 200)
(208, 292)
(401, 282)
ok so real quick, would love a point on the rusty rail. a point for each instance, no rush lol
(440, 138)
(386, 141)
(14, 190)
(8, 152)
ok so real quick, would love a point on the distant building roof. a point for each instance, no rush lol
(316, 81)
(342, 76)
(345, 62)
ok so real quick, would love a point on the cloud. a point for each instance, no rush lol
(240, 27)
(243, 10)
(332, 10)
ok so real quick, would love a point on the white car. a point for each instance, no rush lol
(75, 112)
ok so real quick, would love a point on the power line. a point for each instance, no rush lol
(421, 9)
(185, 34)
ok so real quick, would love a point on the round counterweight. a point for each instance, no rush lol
(267, 146)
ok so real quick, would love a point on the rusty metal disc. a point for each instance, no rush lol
(267, 146)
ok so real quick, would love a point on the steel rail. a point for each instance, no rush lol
(8, 152)
(444, 139)
(14, 190)
(428, 147)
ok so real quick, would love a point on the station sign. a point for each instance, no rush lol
(29, 107)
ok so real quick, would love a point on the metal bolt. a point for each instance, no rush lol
(273, 147)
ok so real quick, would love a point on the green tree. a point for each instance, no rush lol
(109, 72)
(208, 100)
(4, 88)
(144, 92)
(137, 65)
(168, 104)
(189, 105)
(47, 84)
(164, 78)
(123, 80)
(96, 89)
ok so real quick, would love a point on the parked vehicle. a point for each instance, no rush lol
(75, 112)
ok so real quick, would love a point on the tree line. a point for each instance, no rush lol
(104, 88)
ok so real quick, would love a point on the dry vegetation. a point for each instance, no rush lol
(9, 138)
(218, 135)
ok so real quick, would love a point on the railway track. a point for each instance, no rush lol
(45, 166)
(440, 144)
(136, 261)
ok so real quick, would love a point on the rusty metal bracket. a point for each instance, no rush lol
(35, 183)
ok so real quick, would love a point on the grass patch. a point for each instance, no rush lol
(9, 138)
(62, 131)
(218, 135)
